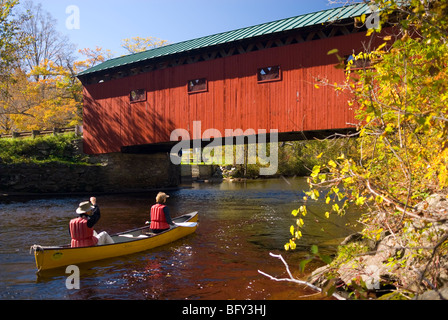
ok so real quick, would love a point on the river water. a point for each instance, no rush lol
(239, 225)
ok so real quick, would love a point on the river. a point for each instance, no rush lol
(239, 225)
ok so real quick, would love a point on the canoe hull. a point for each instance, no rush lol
(56, 257)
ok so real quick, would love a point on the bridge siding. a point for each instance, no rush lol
(234, 98)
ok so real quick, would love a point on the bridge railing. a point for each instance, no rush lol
(34, 133)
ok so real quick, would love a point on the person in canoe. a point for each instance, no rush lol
(81, 228)
(160, 214)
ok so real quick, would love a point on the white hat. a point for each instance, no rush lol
(84, 207)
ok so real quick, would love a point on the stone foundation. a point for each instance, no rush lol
(114, 172)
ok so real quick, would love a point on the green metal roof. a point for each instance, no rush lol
(305, 20)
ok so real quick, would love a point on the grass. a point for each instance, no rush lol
(44, 149)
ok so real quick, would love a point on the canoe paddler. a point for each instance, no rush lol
(81, 228)
(160, 214)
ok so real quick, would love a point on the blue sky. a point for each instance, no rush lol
(105, 23)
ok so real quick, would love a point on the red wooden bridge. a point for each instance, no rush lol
(260, 77)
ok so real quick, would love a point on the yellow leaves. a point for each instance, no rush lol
(139, 44)
(360, 201)
(290, 245)
(379, 199)
(296, 233)
(291, 230)
(94, 57)
(381, 46)
(45, 98)
(48, 69)
(333, 164)
(316, 171)
(363, 18)
(335, 207)
(303, 210)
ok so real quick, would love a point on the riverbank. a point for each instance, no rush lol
(112, 173)
(57, 165)
(410, 264)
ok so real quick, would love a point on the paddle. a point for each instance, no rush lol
(180, 224)
(186, 224)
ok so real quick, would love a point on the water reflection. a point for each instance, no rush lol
(239, 224)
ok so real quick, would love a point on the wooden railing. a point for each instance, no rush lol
(34, 133)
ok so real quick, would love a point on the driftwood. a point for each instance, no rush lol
(292, 279)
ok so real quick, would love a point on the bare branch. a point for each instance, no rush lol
(292, 279)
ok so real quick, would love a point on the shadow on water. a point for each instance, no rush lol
(239, 225)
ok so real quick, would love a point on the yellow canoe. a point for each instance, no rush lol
(128, 242)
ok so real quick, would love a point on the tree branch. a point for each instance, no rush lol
(292, 279)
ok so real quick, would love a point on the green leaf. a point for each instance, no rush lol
(314, 249)
(325, 258)
(315, 172)
(303, 264)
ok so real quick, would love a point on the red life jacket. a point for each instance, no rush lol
(82, 235)
(158, 221)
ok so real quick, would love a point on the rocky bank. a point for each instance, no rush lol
(410, 261)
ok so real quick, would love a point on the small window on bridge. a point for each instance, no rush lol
(197, 85)
(138, 95)
(272, 73)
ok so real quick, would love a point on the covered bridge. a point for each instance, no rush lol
(259, 77)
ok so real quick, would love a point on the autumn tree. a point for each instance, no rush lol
(42, 89)
(38, 68)
(139, 44)
(401, 95)
(10, 35)
(12, 40)
(47, 44)
(92, 57)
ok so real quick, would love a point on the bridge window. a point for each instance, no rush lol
(197, 85)
(266, 74)
(138, 95)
